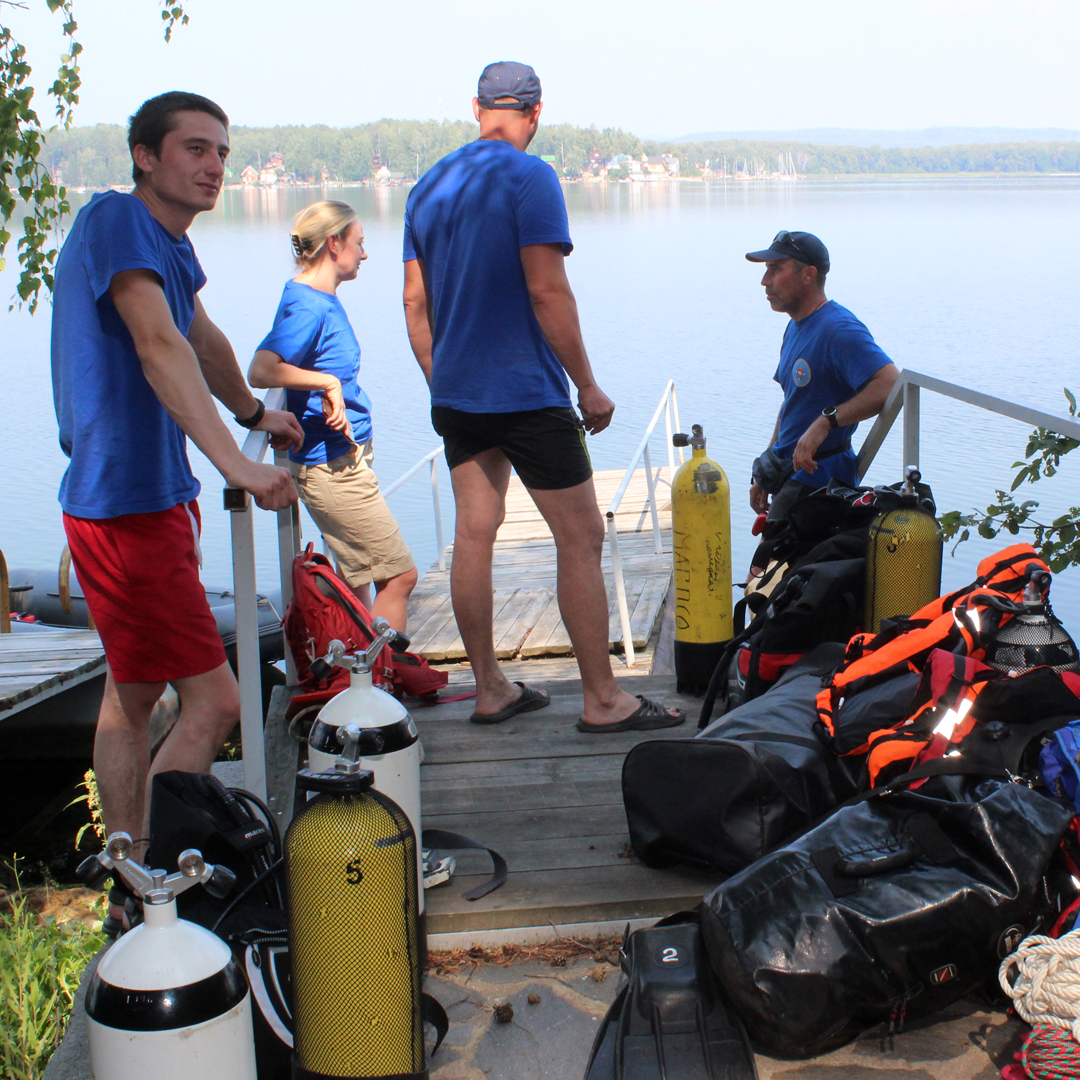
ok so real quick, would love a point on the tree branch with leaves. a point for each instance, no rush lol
(1058, 541)
(26, 186)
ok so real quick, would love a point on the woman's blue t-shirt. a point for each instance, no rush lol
(128, 456)
(312, 331)
(824, 360)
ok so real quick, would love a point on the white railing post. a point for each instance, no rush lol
(288, 537)
(438, 512)
(678, 424)
(658, 547)
(245, 601)
(620, 591)
(911, 426)
(669, 431)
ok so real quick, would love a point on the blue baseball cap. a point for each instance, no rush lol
(803, 246)
(507, 79)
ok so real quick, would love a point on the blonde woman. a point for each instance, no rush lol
(313, 353)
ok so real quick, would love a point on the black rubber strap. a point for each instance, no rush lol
(440, 838)
(434, 1014)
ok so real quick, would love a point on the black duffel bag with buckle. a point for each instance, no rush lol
(746, 784)
(891, 909)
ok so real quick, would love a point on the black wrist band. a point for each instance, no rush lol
(255, 419)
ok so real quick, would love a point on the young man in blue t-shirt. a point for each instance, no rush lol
(832, 373)
(494, 326)
(136, 364)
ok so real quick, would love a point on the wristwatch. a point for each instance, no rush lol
(256, 418)
(830, 415)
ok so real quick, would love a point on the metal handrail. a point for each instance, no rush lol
(245, 599)
(905, 395)
(668, 406)
(431, 459)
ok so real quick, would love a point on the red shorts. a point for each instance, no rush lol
(140, 576)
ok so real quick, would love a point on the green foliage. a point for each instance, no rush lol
(1058, 542)
(92, 798)
(24, 178)
(40, 968)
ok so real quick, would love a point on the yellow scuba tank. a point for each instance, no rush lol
(903, 559)
(701, 532)
(350, 871)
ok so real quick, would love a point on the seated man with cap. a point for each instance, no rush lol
(831, 370)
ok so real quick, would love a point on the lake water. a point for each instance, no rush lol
(974, 281)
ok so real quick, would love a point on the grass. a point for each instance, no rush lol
(47, 937)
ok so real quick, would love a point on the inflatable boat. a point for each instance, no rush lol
(35, 594)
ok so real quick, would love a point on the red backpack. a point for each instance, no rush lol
(323, 608)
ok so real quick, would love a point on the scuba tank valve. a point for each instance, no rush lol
(167, 1000)
(701, 541)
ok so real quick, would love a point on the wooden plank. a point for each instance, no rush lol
(588, 894)
(434, 625)
(536, 642)
(519, 796)
(517, 620)
(568, 853)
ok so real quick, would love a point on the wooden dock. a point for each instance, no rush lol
(35, 666)
(527, 622)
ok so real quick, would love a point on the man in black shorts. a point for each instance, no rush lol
(494, 326)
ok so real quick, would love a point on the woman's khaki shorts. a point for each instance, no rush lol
(344, 500)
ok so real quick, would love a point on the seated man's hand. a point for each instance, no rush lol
(808, 445)
(759, 499)
(284, 430)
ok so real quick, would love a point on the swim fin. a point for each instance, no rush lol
(670, 1021)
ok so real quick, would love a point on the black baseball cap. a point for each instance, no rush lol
(802, 246)
(507, 79)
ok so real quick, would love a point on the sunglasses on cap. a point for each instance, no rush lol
(784, 237)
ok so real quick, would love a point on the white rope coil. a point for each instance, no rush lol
(1046, 987)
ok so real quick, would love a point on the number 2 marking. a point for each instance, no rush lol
(670, 955)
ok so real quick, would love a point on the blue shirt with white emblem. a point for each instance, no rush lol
(824, 360)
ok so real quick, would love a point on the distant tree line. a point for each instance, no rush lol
(98, 156)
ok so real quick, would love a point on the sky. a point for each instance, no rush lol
(658, 69)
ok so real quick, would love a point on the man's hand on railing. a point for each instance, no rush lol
(284, 430)
(271, 488)
(595, 407)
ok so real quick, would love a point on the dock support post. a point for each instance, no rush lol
(620, 591)
(245, 599)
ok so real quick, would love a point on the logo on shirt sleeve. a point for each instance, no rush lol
(801, 372)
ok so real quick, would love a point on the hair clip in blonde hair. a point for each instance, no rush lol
(300, 246)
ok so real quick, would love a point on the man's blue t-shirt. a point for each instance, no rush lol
(312, 331)
(824, 360)
(467, 219)
(128, 456)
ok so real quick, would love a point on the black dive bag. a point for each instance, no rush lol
(893, 908)
(749, 782)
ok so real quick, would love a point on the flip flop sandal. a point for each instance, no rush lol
(529, 701)
(648, 716)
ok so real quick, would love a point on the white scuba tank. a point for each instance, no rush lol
(168, 1000)
(389, 741)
